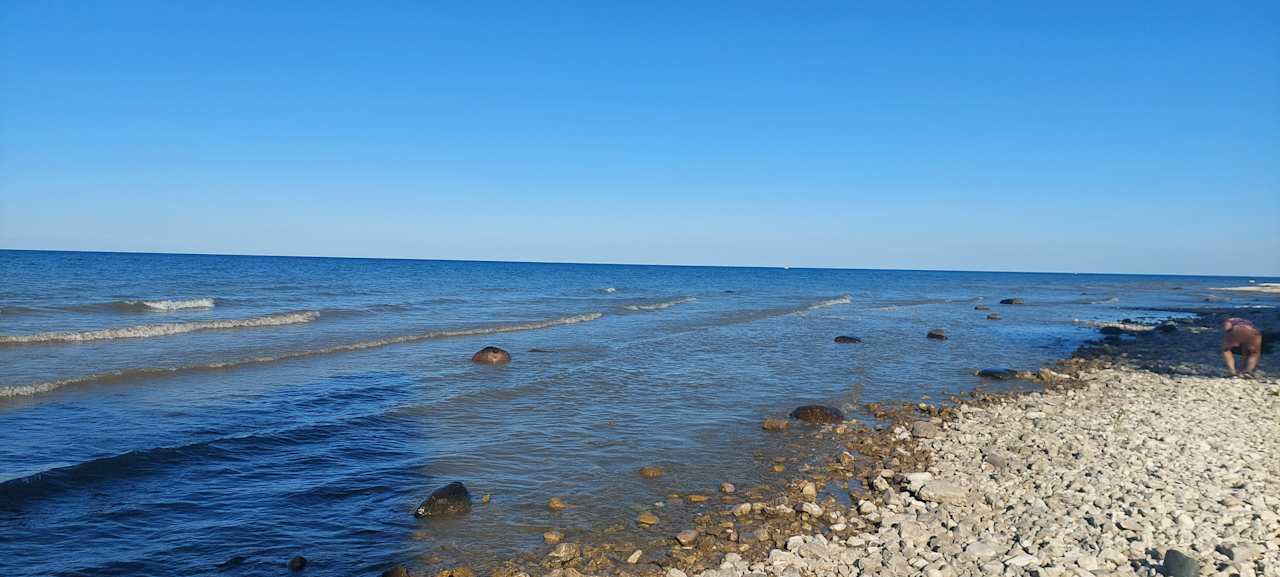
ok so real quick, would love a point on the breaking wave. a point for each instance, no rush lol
(125, 374)
(841, 300)
(608, 290)
(165, 305)
(660, 305)
(158, 330)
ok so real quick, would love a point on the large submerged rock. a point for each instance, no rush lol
(997, 373)
(1012, 301)
(937, 334)
(491, 356)
(447, 501)
(817, 414)
(847, 340)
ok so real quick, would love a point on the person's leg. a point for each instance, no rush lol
(1252, 362)
(1231, 361)
(1251, 352)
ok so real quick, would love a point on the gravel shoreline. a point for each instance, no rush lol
(1137, 458)
(1103, 476)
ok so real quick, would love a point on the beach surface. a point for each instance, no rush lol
(1138, 458)
(1266, 287)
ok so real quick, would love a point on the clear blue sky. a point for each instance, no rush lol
(1070, 136)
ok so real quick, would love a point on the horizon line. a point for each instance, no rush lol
(587, 263)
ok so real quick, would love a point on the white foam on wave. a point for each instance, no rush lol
(175, 305)
(39, 388)
(841, 300)
(1105, 301)
(660, 305)
(158, 330)
(608, 290)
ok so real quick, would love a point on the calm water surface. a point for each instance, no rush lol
(160, 414)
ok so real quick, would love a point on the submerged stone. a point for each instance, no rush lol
(937, 334)
(817, 414)
(1012, 301)
(847, 340)
(449, 500)
(997, 373)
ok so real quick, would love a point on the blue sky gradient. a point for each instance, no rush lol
(1087, 137)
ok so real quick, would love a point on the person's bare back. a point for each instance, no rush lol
(1241, 333)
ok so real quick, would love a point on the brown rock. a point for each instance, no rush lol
(552, 537)
(818, 414)
(556, 504)
(697, 498)
(937, 334)
(652, 472)
(397, 571)
(491, 356)
(775, 425)
(687, 537)
(647, 518)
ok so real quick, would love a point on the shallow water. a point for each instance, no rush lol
(157, 415)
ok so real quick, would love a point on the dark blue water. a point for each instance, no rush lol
(160, 414)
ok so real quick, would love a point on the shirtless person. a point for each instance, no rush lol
(1241, 333)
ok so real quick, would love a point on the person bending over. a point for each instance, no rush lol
(1241, 333)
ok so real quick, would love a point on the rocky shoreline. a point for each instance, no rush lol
(1136, 458)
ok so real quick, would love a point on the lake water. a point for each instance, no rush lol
(160, 414)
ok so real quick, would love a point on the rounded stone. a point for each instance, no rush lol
(298, 563)
(447, 501)
(1178, 564)
(491, 356)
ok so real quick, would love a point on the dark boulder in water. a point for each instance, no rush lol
(997, 373)
(847, 340)
(818, 414)
(982, 308)
(1012, 301)
(447, 501)
(1167, 328)
(1111, 331)
(491, 356)
(232, 562)
(298, 563)
(993, 317)
(397, 571)
(937, 334)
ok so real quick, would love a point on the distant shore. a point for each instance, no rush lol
(1138, 457)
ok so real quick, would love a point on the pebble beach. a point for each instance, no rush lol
(1138, 456)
